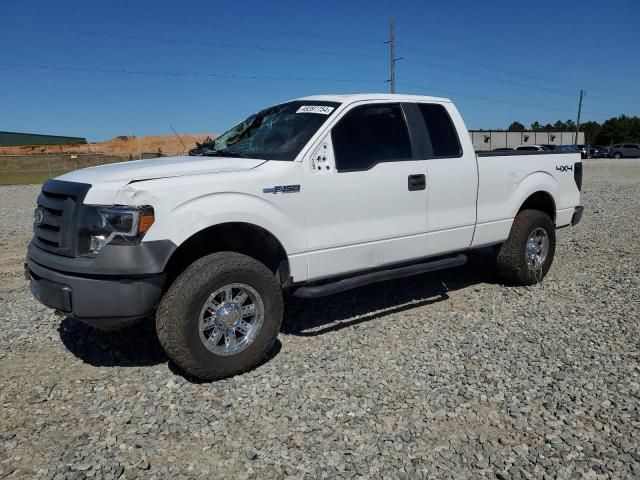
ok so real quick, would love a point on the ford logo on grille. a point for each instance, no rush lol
(38, 216)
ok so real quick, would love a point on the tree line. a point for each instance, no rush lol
(615, 130)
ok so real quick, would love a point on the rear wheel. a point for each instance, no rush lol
(221, 316)
(526, 256)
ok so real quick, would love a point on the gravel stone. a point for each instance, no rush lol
(442, 376)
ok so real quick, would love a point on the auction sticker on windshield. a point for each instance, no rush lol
(321, 109)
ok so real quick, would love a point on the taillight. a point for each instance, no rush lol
(577, 175)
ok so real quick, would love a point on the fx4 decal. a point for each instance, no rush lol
(282, 189)
(564, 168)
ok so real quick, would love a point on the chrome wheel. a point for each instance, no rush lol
(537, 248)
(231, 319)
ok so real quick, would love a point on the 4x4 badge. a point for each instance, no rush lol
(564, 168)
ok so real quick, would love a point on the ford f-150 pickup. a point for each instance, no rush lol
(309, 197)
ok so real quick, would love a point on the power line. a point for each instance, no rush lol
(269, 77)
(512, 72)
(495, 100)
(336, 37)
(226, 26)
(235, 26)
(366, 40)
(189, 42)
(512, 82)
(489, 77)
(316, 52)
(183, 74)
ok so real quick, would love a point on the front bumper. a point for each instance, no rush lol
(104, 302)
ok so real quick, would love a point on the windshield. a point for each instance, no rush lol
(276, 133)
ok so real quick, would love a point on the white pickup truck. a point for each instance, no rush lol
(309, 197)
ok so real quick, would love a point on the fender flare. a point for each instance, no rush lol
(200, 213)
(533, 183)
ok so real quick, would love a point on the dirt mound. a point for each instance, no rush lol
(122, 145)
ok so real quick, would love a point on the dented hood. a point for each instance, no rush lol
(163, 167)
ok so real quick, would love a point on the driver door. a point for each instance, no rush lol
(365, 193)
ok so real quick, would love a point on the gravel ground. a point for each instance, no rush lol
(443, 376)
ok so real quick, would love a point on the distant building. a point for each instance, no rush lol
(490, 139)
(14, 139)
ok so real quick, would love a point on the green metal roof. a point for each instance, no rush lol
(15, 139)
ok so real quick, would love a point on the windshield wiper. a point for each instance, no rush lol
(223, 153)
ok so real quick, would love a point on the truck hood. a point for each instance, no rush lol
(163, 167)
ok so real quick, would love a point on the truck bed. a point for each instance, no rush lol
(504, 182)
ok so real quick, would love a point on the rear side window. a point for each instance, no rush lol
(444, 138)
(371, 134)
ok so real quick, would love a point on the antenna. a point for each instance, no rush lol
(184, 147)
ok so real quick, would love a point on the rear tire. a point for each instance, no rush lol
(221, 316)
(526, 256)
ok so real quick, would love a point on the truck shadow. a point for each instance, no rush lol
(135, 346)
(314, 317)
(138, 346)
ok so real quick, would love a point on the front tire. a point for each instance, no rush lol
(617, 156)
(527, 254)
(221, 316)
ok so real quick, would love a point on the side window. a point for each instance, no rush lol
(444, 138)
(371, 134)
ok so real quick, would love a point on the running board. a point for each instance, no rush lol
(379, 276)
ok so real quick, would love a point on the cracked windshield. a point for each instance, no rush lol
(277, 133)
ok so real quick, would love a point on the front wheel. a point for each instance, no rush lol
(221, 316)
(527, 254)
(617, 155)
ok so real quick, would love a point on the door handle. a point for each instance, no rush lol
(417, 182)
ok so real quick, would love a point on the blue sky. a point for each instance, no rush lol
(499, 60)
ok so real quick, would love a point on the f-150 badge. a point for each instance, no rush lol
(282, 189)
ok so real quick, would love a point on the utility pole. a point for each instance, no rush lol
(582, 94)
(392, 41)
(139, 150)
(392, 57)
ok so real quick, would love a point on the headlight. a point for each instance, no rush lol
(116, 225)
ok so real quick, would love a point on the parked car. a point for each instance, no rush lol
(595, 151)
(584, 150)
(532, 148)
(309, 197)
(621, 150)
(566, 149)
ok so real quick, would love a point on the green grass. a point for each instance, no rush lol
(15, 177)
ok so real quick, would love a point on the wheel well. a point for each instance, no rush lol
(541, 201)
(238, 237)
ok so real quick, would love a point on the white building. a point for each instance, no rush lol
(490, 139)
